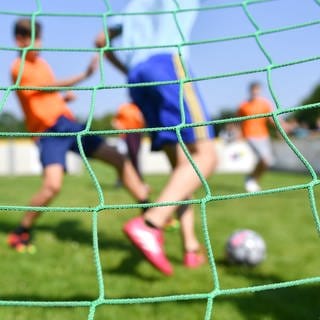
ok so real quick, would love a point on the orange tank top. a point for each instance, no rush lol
(41, 108)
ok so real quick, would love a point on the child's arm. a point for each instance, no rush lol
(69, 82)
(116, 62)
(27, 80)
(100, 42)
(69, 96)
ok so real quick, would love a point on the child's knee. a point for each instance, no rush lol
(120, 161)
(206, 155)
(52, 189)
(110, 155)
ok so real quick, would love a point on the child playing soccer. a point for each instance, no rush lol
(161, 108)
(47, 111)
(128, 117)
(256, 132)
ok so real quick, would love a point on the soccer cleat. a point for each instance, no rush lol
(251, 185)
(21, 242)
(150, 242)
(172, 225)
(194, 260)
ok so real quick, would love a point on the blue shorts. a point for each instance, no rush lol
(160, 104)
(53, 150)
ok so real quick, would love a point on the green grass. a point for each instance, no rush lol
(63, 267)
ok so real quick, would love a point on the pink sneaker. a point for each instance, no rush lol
(194, 260)
(150, 242)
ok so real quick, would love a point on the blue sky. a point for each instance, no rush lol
(291, 84)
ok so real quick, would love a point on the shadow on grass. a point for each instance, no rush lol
(73, 231)
(301, 302)
(245, 271)
(42, 298)
(294, 303)
(297, 303)
(129, 266)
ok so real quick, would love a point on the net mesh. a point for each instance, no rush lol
(208, 197)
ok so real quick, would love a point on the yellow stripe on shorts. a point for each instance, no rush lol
(192, 100)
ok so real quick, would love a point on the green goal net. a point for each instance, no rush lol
(209, 197)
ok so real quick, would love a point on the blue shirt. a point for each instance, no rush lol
(152, 29)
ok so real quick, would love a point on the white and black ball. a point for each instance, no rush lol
(246, 247)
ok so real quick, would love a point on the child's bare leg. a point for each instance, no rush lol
(194, 256)
(185, 212)
(19, 239)
(189, 238)
(183, 180)
(145, 232)
(51, 186)
(126, 171)
(259, 170)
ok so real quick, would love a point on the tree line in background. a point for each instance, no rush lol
(11, 123)
(310, 117)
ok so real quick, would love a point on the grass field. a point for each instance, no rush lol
(63, 267)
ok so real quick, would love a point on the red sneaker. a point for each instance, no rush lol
(20, 242)
(194, 260)
(150, 242)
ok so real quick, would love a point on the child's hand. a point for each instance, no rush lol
(100, 41)
(93, 66)
(287, 127)
(69, 96)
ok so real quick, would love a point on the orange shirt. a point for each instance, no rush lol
(128, 116)
(41, 108)
(255, 128)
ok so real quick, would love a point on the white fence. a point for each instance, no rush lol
(20, 157)
(232, 157)
(287, 160)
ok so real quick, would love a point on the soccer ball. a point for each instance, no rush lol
(246, 247)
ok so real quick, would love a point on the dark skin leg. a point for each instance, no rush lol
(259, 170)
